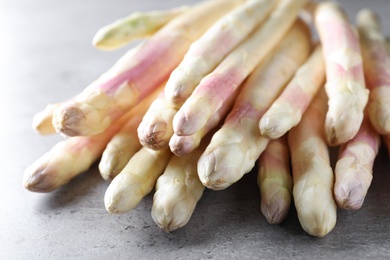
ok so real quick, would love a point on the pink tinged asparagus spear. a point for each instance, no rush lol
(354, 167)
(376, 63)
(178, 190)
(136, 180)
(312, 174)
(235, 148)
(124, 144)
(275, 181)
(122, 87)
(345, 84)
(73, 156)
(202, 57)
(209, 50)
(137, 25)
(287, 110)
(67, 159)
(182, 145)
(217, 86)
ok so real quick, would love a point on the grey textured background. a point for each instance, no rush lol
(46, 56)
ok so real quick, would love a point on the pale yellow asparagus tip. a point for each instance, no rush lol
(313, 197)
(275, 181)
(136, 180)
(117, 154)
(42, 121)
(177, 192)
(312, 174)
(135, 26)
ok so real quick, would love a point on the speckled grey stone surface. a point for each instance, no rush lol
(46, 56)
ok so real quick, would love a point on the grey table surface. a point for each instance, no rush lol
(46, 56)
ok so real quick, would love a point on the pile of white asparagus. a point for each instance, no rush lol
(215, 87)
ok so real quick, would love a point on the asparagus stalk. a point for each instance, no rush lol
(234, 148)
(67, 159)
(135, 26)
(136, 180)
(202, 57)
(209, 50)
(345, 84)
(95, 108)
(124, 144)
(376, 63)
(178, 190)
(217, 86)
(182, 145)
(312, 174)
(275, 181)
(288, 108)
(354, 167)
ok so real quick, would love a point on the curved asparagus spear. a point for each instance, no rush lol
(312, 173)
(376, 63)
(135, 26)
(94, 109)
(345, 84)
(288, 108)
(275, 181)
(234, 148)
(136, 180)
(202, 57)
(217, 86)
(354, 167)
(124, 144)
(178, 190)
